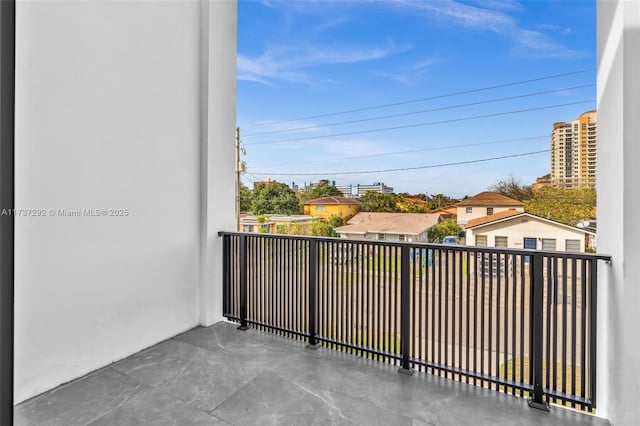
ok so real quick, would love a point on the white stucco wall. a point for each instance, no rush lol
(477, 211)
(516, 230)
(110, 114)
(618, 359)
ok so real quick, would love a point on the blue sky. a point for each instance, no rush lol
(308, 59)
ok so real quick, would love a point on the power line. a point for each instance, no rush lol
(254, 176)
(476, 117)
(446, 95)
(404, 114)
(438, 148)
(402, 169)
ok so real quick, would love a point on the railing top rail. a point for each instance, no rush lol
(451, 247)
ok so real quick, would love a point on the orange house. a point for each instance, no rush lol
(325, 207)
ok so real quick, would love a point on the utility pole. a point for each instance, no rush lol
(240, 167)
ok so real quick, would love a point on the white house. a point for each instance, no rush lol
(389, 226)
(485, 204)
(513, 229)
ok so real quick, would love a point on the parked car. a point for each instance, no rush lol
(450, 239)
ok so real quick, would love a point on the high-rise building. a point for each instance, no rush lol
(573, 152)
(357, 190)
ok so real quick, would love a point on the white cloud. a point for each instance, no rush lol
(287, 63)
(539, 44)
(426, 63)
(332, 23)
(492, 16)
(500, 4)
(466, 15)
(400, 78)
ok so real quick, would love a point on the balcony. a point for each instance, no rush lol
(223, 376)
(363, 332)
(138, 118)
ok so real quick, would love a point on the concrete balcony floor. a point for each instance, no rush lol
(221, 376)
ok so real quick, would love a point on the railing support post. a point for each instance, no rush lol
(312, 309)
(243, 283)
(405, 311)
(537, 300)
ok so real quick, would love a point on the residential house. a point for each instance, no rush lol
(325, 207)
(276, 223)
(542, 182)
(412, 227)
(518, 230)
(448, 212)
(265, 182)
(485, 204)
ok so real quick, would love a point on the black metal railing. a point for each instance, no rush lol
(517, 321)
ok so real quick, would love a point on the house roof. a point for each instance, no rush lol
(332, 200)
(390, 223)
(450, 210)
(512, 214)
(492, 218)
(489, 198)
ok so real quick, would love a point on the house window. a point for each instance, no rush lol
(469, 209)
(481, 240)
(401, 238)
(320, 208)
(501, 241)
(572, 246)
(380, 237)
(489, 211)
(549, 244)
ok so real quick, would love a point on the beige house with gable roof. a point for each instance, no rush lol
(485, 204)
(410, 227)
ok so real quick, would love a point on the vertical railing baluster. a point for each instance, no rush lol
(537, 299)
(311, 293)
(574, 311)
(593, 299)
(405, 312)
(226, 275)
(243, 283)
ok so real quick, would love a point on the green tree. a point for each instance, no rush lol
(443, 229)
(422, 197)
(322, 229)
(335, 221)
(437, 201)
(326, 229)
(566, 205)
(411, 205)
(275, 198)
(322, 189)
(513, 188)
(245, 198)
(377, 202)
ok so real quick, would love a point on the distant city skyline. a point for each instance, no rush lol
(316, 60)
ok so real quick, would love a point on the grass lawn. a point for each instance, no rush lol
(508, 368)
